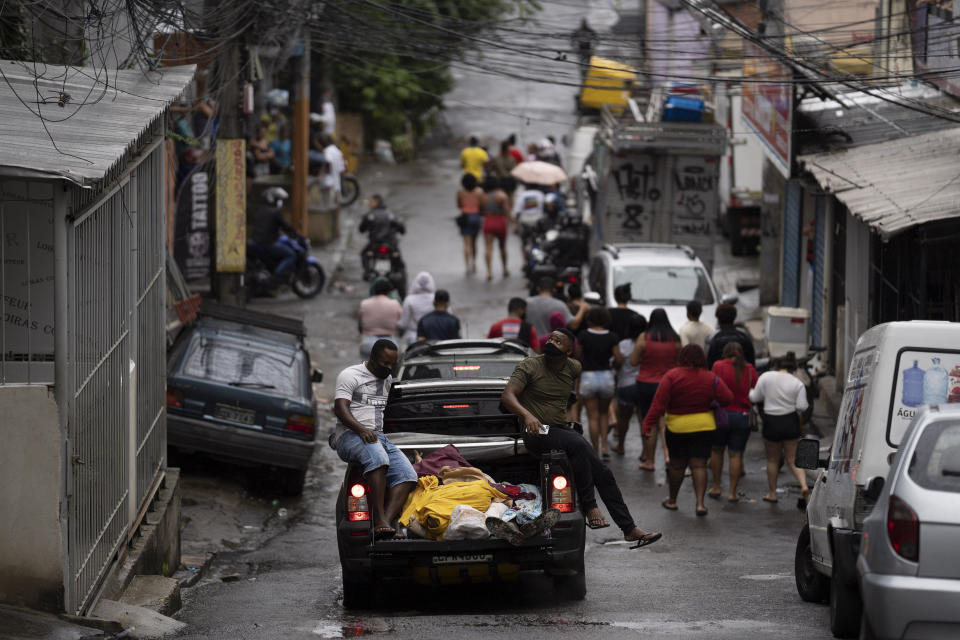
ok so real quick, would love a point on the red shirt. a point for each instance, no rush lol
(683, 390)
(517, 155)
(656, 360)
(725, 371)
(510, 328)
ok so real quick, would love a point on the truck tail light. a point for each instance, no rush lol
(301, 423)
(561, 497)
(357, 508)
(174, 398)
(903, 529)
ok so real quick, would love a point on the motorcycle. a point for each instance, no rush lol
(349, 189)
(383, 260)
(305, 277)
(559, 251)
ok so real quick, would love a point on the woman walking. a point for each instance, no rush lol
(655, 353)
(418, 303)
(626, 400)
(686, 395)
(740, 376)
(469, 197)
(596, 347)
(784, 398)
(495, 207)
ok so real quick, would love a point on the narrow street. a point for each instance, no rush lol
(276, 570)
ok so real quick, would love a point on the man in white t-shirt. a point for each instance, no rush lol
(359, 402)
(328, 115)
(335, 164)
(693, 331)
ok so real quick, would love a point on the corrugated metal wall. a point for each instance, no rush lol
(792, 220)
(819, 257)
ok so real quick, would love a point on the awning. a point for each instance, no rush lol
(894, 185)
(92, 118)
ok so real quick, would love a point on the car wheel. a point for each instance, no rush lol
(571, 587)
(290, 481)
(845, 608)
(812, 585)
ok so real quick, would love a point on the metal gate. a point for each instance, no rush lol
(115, 297)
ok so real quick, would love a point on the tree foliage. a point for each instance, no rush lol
(391, 61)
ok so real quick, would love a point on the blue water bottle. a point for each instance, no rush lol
(912, 386)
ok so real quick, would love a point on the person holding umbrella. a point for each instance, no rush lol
(536, 175)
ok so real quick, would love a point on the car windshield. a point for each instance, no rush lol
(936, 462)
(665, 285)
(242, 364)
(458, 370)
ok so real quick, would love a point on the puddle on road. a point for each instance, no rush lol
(332, 629)
(767, 576)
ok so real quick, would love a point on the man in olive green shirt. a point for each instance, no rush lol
(538, 393)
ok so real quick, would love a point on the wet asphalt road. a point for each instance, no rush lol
(729, 575)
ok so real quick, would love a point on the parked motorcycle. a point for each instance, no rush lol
(559, 250)
(305, 278)
(349, 189)
(386, 261)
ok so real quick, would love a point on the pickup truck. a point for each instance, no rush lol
(423, 415)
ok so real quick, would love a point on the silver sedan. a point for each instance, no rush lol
(909, 563)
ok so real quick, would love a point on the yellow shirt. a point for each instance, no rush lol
(473, 159)
(691, 422)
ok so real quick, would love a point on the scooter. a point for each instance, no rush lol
(305, 277)
(383, 260)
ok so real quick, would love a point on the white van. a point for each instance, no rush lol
(896, 368)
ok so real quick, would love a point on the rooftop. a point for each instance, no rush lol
(80, 123)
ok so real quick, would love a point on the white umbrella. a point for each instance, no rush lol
(538, 172)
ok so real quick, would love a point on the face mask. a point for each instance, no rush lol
(552, 351)
(379, 370)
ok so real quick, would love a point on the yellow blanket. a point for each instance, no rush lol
(431, 503)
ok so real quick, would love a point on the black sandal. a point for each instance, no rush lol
(649, 538)
(592, 523)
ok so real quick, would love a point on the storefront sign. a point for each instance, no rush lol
(768, 104)
(192, 224)
(231, 206)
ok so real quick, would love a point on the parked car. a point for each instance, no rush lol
(423, 415)
(909, 565)
(461, 359)
(242, 392)
(885, 388)
(661, 275)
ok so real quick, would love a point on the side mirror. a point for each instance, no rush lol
(316, 376)
(593, 298)
(808, 454)
(729, 298)
(874, 488)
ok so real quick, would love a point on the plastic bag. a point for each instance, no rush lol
(466, 523)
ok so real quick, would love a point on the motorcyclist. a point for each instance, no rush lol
(265, 231)
(382, 226)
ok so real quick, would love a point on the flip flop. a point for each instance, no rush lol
(605, 456)
(733, 500)
(715, 496)
(650, 538)
(645, 468)
(771, 501)
(592, 523)
(541, 523)
(665, 504)
(702, 512)
(384, 533)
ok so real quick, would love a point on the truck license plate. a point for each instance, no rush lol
(463, 558)
(233, 414)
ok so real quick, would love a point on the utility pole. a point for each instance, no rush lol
(301, 140)
(227, 277)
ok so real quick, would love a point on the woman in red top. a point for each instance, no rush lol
(656, 353)
(685, 394)
(740, 376)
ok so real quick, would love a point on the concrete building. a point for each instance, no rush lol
(82, 342)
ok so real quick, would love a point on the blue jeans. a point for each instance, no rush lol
(283, 255)
(352, 448)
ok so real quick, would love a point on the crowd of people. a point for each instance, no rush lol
(492, 202)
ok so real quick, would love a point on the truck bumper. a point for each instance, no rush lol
(436, 562)
(241, 445)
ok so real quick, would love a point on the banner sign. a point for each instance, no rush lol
(768, 104)
(231, 206)
(191, 247)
